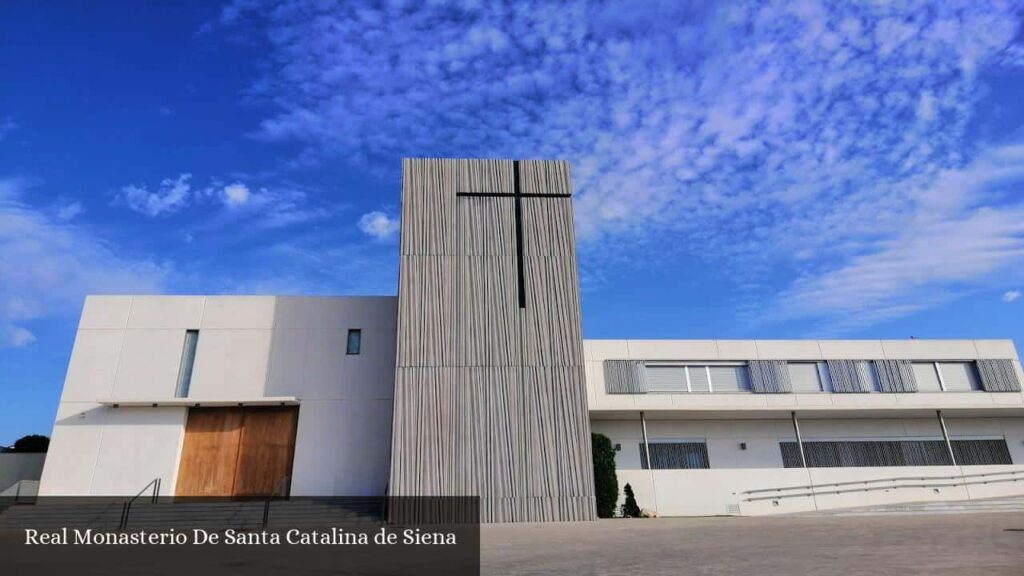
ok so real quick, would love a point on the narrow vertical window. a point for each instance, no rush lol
(355, 341)
(188, 358)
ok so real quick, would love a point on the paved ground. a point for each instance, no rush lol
(988, 544)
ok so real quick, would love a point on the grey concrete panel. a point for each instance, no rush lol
(490, 396)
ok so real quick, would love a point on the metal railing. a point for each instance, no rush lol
(892, 483)
(126, 508)
(280, 491)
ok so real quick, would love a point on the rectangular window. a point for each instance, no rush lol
(926, 377)
(959, 376)
(730, 378)
(676, 455)
(188, 359)
(866, 453)
(666, 379)
(804, 376)
(355, 342)
(698, 378)
(699, 381)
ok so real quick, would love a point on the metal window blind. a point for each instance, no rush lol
(730, 378)
(625, 377)
(869, 379)
(666, 378)
(856, 454)
(804, 376)
(698, 378)
(676, 455)
(959, 376)
(926, 377)
(895, 376)
(999, 375)
(769, 377)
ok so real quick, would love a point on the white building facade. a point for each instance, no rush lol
(253, 395)
(720, 446)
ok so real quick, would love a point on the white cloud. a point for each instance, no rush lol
(69, 211)
(378, 225)
(236, 194)
(15, 336)
(265, 207)
(1011, 296)
(6, 127)
(950, 235)
(795, 144)
(47, 266)
(171, 195)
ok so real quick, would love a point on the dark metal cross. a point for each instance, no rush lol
(517, 195)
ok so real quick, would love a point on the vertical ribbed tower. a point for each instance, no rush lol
(490, 396)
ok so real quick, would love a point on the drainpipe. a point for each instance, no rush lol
(799, 440)
(647, 451)
(803, 457)
(945, 436)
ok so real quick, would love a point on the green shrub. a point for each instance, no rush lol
(630, 509)
(606, 483)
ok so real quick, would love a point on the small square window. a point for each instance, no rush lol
(355, 341)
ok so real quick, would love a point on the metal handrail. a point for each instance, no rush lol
(890, 479)
(278, 491)
(891, 484)
(126, 508)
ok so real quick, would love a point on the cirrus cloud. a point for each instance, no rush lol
(48, 265)
(789, 143)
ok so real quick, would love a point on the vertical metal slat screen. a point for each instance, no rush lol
(887, 453)
(625, 377)
(998, 376)
(845, 375)
(769, 377)
(895, 376)
(676, 455)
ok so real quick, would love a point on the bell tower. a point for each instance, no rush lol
(490, 397)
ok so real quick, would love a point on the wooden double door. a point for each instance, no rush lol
(237, 452)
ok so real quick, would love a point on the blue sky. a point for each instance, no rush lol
(742, 170)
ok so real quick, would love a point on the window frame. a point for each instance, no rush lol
(187, 363)
(973, 364)
(820, 369)
(686, 365)
(358, 348)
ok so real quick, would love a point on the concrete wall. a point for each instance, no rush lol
(597, 351)
(19, 466)
(718, 490)
(250, 347)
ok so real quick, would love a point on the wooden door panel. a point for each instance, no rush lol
(210, 452)
(266, 449)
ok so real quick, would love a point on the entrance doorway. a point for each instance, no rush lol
(237, 452)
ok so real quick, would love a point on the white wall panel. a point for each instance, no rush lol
(239, 312)
(182, 312)
(342, 448)
(74, 445)
(138, 445)
(230, 364)
(93, 365)
(105, 312)
(150, 360)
